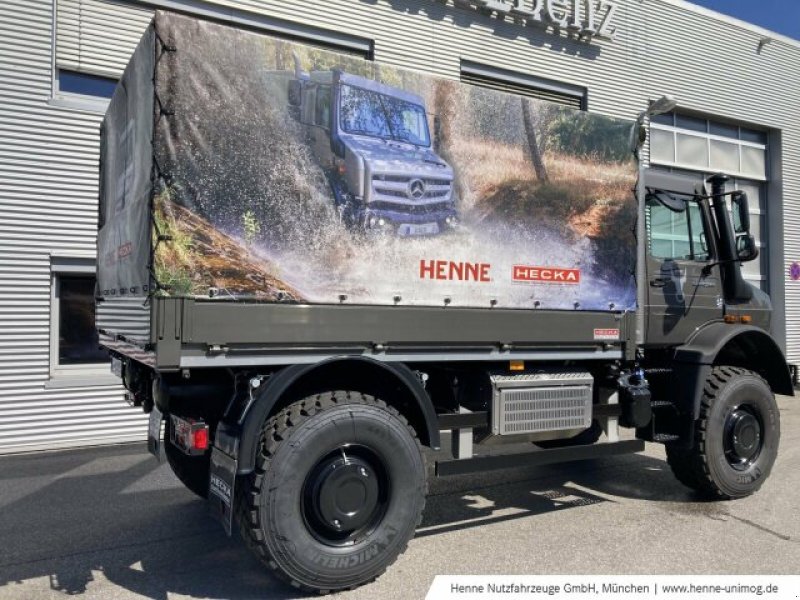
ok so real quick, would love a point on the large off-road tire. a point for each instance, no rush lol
(735, 438)
(193, 471)
(337, 492)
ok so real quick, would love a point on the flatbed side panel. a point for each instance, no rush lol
(403, 328)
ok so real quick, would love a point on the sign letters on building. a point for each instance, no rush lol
(583, 18)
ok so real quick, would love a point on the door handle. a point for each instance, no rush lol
(658, 282)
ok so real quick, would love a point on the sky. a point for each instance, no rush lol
(782, 16)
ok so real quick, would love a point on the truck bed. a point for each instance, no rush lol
(192, 333)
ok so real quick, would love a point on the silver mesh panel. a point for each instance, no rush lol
(541, 402)
(533, 410)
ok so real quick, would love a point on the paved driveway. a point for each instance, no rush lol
(111, 523)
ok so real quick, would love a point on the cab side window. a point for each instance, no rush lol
(675, 234)
(322, 115)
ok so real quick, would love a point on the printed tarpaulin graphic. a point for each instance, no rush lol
(294, 174)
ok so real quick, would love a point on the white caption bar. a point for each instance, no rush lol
(633, 587)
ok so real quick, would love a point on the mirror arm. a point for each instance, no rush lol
(706, 271)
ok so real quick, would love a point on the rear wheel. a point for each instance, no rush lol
(337, 492)
(193, 471)
(735, 439)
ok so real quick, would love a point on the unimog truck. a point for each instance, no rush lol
(374, 143)
(309, 380)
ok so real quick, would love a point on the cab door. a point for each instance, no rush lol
(681, 296)
(320, 131)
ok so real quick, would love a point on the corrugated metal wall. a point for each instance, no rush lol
(48, 188)
(48, 153)
(95, 36)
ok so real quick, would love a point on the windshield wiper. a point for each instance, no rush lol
(386, 116)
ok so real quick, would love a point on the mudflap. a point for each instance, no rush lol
(154, 433)
(221, 487)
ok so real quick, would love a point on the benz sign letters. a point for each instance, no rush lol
(585, 18)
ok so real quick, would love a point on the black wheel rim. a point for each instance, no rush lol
(744, 437)
(345, 495)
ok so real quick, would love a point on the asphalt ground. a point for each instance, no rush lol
(111, 523)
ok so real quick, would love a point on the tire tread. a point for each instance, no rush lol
(277, 430)
(690, 465)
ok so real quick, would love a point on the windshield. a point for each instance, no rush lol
(366, 112)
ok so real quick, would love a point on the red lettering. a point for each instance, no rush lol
(125, 250)
(472, 271)
(425, 269)
(529, 274)
(457, 270)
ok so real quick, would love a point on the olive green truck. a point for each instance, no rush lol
(307, 372)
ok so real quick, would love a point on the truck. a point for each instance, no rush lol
(308, 380)
(374, 143)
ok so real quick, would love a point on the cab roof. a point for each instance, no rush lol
(367, 84)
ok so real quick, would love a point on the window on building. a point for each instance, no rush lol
(85, 84)
(78, 343)
(524, 85)
(83, 91)
(75, 352)
(696, 143)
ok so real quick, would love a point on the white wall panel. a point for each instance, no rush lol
(96, 36)
(48, 189)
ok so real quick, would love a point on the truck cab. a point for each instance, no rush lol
(374, 143)
(693, 259)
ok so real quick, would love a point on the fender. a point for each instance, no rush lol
(256, 412)
(720, 343)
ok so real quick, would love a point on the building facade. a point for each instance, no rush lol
(736, 87)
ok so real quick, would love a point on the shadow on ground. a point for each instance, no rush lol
(69, 516)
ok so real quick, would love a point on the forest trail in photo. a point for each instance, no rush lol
(199, 257)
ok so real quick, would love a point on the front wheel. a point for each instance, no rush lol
(735, 439)
(337, 492)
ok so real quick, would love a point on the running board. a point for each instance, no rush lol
(479, 464)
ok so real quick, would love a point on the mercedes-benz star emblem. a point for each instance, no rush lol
(416, 188)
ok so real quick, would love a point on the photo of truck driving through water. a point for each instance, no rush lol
(374, 143)
(310, 380)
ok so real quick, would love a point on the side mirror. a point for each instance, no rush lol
(667, 200)
(437, 132)
(741, 213)
(746, 249)
(295, 95)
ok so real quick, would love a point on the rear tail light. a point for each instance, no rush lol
(200, 440)
(190, 435)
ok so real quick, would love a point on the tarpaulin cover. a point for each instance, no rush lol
(123, 242)
(287, 173)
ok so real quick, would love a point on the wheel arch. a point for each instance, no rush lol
(394, 383)
(735, 345)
